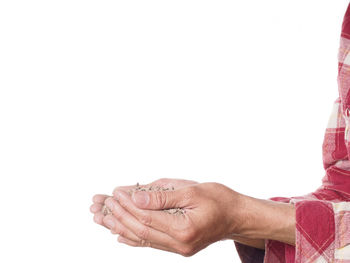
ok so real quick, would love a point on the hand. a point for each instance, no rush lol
(212, 213)
(99, 199)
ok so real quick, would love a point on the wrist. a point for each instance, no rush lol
(265, 219)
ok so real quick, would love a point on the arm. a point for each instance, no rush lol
(207, 219)
(266, 219)
(307, 222)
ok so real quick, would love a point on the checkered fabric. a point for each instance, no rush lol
(322, 217)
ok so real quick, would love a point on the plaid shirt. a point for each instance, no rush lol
(322, 217)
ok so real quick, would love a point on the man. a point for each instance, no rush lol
(310, 228)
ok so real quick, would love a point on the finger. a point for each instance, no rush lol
(172, 182)
(138, 244)
(141, 231)
(98, 218)
(129, 242)
(165, 182)
(158, 200)
(159, 220)
(117, 227)
(99, 198)
(124, 188)
(96, 207)
(128, 188)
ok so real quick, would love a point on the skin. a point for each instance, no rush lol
(139, 221)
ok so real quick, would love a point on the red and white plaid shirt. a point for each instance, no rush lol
(322, 217)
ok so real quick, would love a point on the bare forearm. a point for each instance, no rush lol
(266, 219)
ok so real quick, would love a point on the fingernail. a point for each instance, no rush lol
(110, 223)
(141, 198)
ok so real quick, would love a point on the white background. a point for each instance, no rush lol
(96, 94)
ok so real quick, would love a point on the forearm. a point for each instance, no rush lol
(267, 219)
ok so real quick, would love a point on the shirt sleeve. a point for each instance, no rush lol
(249, 254)
(322, 232)
(320, 235)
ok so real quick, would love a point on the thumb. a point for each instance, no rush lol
(159, 200)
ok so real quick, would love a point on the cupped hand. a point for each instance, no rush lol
(212, 213)
(99, 199)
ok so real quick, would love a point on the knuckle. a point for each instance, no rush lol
(160, 198)
(187, 236)
(146, 219)
(143, 233)
(116, 189)
(122, 203)
(120, 232)
(118, 214)
(186, 251)
(145, 243)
